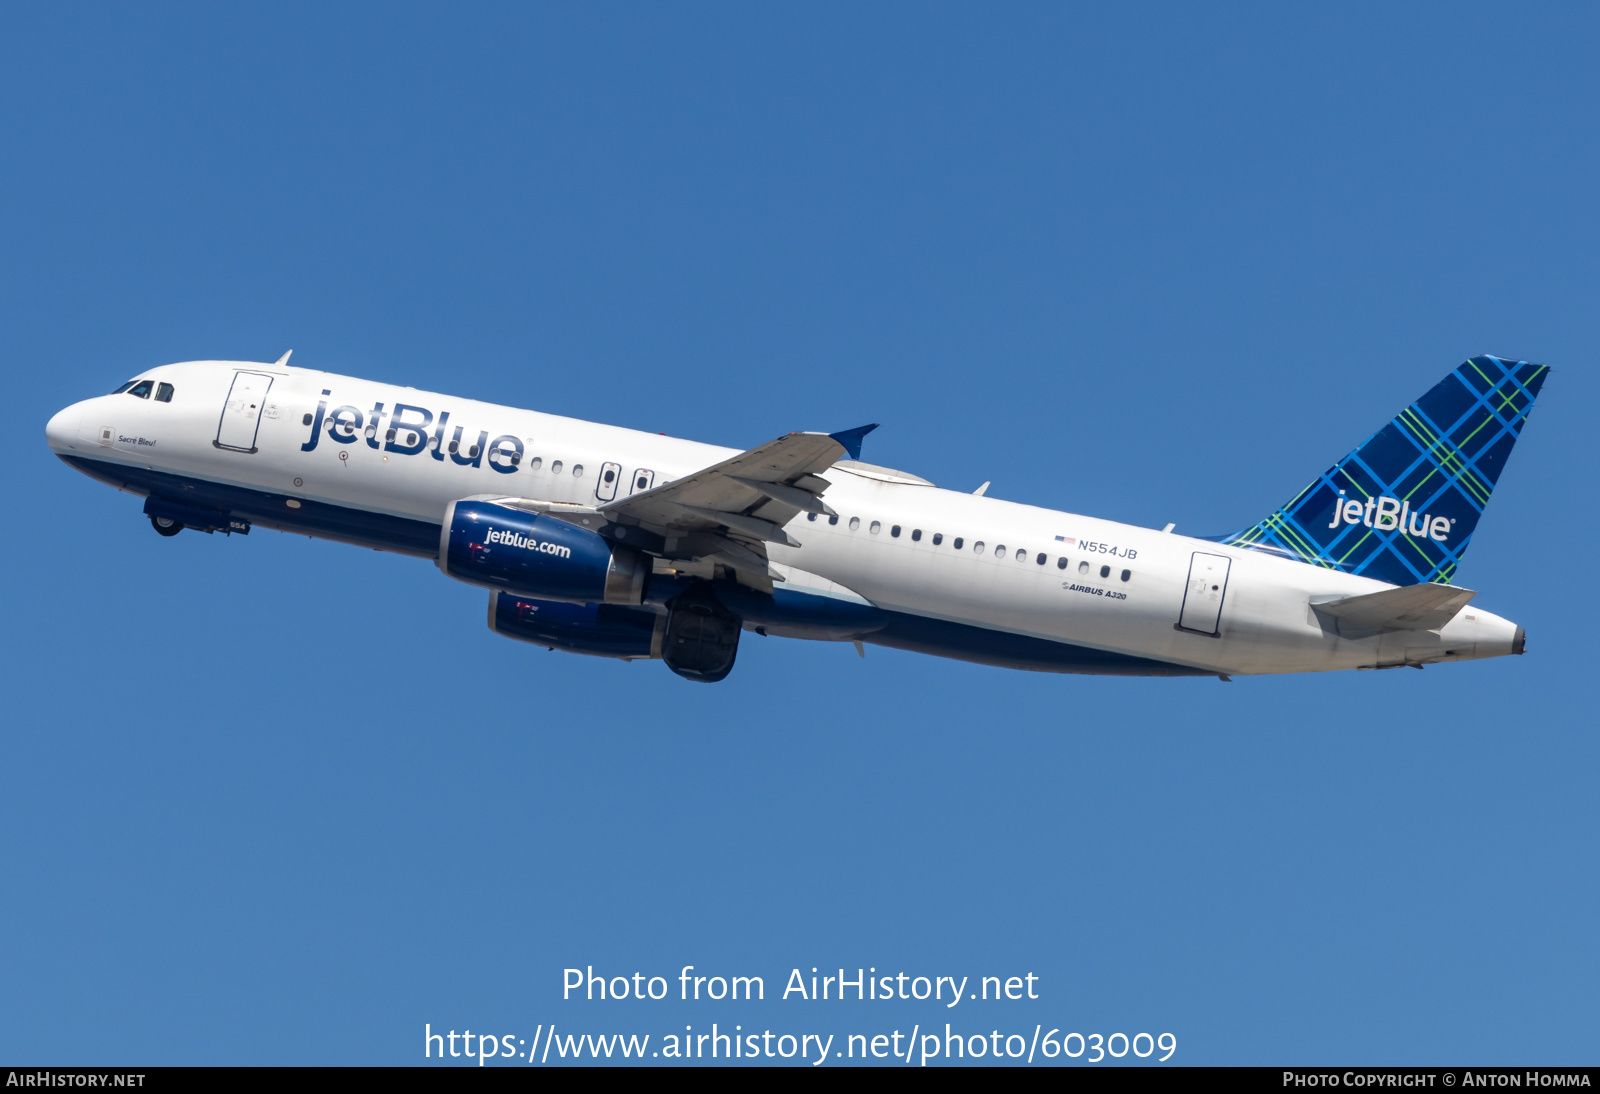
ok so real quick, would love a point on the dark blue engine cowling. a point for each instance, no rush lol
(538, 555)
(602, 630)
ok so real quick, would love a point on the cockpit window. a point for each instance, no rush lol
(142, 388)
(124, 387)
(164, 393)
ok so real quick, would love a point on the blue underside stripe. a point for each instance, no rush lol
(419, 538)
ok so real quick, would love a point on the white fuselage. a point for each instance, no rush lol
(1266, 622)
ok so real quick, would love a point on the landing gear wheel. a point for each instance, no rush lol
(166, 525)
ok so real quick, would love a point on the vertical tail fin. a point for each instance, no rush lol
(1402, 507)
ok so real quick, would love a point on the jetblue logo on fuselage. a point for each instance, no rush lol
(404, 430)
(527, 543)
(1387, 514)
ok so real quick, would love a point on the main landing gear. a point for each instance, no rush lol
(702, 635)
(166, 526)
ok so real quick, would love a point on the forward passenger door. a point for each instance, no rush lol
(241, 414)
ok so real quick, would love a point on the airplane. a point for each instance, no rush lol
(617, 543)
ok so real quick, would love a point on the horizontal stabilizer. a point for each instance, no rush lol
(1425, 607)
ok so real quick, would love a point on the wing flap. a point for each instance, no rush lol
(801, 499)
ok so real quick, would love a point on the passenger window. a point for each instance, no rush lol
(577, 470)
(164, 394)
(855, 522)
(555, 467)
(875, 526)
(1000, 551)
(142, 389)
(1061, 564)
(1126, 574)
(642, 483)
(1022, 554)
(1041, 559)
(834, 519)
(341, 428)
(895, 531)
(916, 534)
(977, 548)
(1083, 567)
(1105, 571)
(609, 475)
(533, 464)
(957, 543)
(938, 538)
(124, 387)
(305, 419)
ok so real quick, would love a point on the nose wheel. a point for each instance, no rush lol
(166, 525)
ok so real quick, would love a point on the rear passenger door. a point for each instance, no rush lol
(1202, 599)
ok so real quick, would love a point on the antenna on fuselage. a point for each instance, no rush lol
(284, 360)
(979, 491)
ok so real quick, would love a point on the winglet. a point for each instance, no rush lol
(851, 438)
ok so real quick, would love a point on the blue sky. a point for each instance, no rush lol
(271, 800)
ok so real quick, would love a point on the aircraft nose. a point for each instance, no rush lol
(62, 430)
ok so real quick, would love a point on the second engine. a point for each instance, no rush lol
(600, 630)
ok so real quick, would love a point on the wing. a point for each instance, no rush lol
(730, 511)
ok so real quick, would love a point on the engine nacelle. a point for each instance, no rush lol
(601, 630)
(538, 555)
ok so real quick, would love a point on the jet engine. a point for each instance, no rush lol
(601, 630)
(538, 555)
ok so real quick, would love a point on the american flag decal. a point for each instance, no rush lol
(1068, 540)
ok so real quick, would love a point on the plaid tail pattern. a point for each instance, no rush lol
(1402, 507)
